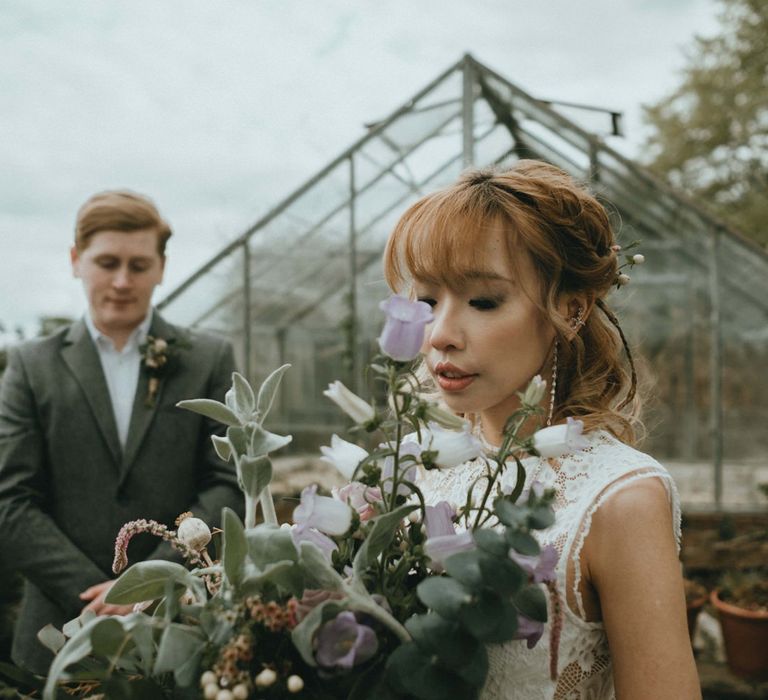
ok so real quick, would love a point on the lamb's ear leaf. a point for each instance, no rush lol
(268, 390)
(210, 409)
(146, 580)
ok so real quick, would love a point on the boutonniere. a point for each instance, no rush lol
(158, 357)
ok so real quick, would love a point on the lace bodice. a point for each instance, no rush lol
(583, 480)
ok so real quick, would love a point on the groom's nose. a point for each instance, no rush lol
(122, 278)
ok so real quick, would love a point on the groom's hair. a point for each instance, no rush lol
(119, 210)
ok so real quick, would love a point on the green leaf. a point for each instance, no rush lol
(21, 678)
(446, 638)
(319, 573)
(263, 442)
(210, 409)
(222, 446)
(505, 623)
(509, 513)
(303, 634)
(523, 543)
(254, 474)
(381, 534)
(541, 517)
(51, 638)
(443, 595)
(287, 575)
(109, 638)
(235, 547)
(474, 670)
(491, 541)
(482, 617)
(412, 671)
(532, 602)
(146, 581)
(245, 401)
(501, 574)
(465, 568)
(179, 651)
(76, 649)
(238, 440)
(268, 390)
(270, 543)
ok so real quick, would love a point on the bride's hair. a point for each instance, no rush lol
(566, 234)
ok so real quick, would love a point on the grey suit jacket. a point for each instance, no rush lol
(67, 487)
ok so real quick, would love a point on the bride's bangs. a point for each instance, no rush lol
(437, 242)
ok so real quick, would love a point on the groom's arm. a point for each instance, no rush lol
(30, 540)
(215, 480)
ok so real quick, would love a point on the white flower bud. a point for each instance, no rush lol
(355, 407)
(623, 280)
(160, 345)
(266, 678)
(207, 678)
(535, 390)
(225, 695)
(240, 691)
(295, 684)
(638, 259)
(210, 691)
(194, 533)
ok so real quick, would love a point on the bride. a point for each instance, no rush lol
(516, 266)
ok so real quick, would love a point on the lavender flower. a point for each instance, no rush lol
(302, 533)
(325, 514)
(438, 519)
(529, 630)
(442, 540)
(403, 332)
(343, 642)
(541, 568)
(360, 497)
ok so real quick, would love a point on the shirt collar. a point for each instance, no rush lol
(137, 337)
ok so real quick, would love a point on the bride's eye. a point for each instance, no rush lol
(428, 300)
(484, 303)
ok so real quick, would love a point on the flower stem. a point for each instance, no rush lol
(268, 506)
(250, 512)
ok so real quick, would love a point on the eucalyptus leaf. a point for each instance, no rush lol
(51, 638)
(245, 401)
(180, 649)
(412, 671)
(523, 543)
(268, 390)
(491, 541)
(501, 574)
(509, 513)
(481, 618)
(210, 409)
(445, 638)
(474, 670)
(380, 535)
(146, 581)
(77, 648)
(222, 446)
(254, 474)
(505, 623)
(443, 595)
(541, 517)
(109, 638)
(465, 568)
(532, 603)
(235, 547)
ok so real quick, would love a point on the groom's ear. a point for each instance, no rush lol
(74, 258)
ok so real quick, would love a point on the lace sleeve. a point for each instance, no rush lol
(623, 482)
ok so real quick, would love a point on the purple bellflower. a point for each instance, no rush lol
(403, 332)
(343, 643)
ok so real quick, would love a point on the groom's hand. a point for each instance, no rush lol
(96, 594)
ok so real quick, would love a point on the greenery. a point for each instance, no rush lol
(710, 136)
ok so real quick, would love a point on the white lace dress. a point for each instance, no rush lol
(583, 481)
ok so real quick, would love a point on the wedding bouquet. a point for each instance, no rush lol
(369, 593)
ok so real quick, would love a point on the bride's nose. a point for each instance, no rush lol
(445, 332)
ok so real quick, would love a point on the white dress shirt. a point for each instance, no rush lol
(121, 370)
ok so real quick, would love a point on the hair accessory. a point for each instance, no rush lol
(622, 278)
(578, 320)
(553, 386)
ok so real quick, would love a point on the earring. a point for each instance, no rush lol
(578, 320)
(553, 386)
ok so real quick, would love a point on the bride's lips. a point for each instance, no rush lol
(452, 378)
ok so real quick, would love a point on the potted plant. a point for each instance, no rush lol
(742, 606)
(695, 598)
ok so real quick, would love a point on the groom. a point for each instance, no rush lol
(90, 437)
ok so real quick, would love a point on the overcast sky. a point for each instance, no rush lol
(219, 109)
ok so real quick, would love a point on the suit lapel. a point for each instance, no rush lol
(141, 414)
(82, 358)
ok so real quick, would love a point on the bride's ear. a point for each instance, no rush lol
(575, 309)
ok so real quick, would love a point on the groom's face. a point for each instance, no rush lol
(119, 272)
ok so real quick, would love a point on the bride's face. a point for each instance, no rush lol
(488, 338)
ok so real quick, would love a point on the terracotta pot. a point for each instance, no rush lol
(693, 609)
(745, 635)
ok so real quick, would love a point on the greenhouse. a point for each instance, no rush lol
(302, 285)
